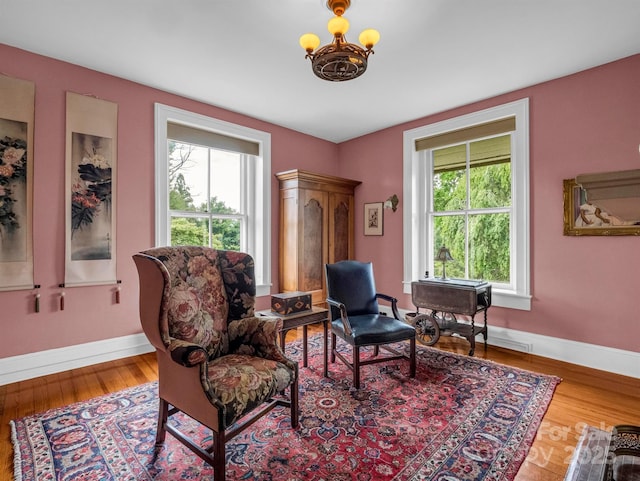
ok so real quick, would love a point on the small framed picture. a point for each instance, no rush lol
(373, 218)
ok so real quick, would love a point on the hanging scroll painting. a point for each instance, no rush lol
(91, 154)
(17, 101)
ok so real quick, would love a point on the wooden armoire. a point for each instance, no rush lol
(316, 227)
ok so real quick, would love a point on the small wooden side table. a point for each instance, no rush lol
(304, 318)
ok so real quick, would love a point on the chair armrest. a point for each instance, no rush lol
(258, 336)
(187, 353)
(393, 301)
(344, 317)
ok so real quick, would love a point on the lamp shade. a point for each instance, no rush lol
(369, 37)
(338, 26)
(309, 41)
(443, 255)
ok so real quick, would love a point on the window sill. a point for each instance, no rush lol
(510, 300)
(263, 290)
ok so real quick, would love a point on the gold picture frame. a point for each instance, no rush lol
(582, 218)
(373, 221)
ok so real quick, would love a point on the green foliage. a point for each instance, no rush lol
(179, 195)
(449, 191)
(188, 231)
(490, 186)
(192, 231)
(226, 233)
(217, 207)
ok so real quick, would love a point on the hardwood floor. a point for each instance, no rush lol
(585, 396)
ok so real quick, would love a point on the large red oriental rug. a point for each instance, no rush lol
(461, 418)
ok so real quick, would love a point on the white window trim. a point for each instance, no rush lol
(258, 185)
(415, 224)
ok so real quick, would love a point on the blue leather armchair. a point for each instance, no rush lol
(355, 317)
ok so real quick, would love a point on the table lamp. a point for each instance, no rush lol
(444, 256)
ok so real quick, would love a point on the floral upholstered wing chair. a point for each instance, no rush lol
(217, 361)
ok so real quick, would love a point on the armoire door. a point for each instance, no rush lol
(312, 244)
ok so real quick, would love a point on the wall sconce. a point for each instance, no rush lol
(392, 203)
(443, 256)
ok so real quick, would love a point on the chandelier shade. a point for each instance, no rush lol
(369, 37)
(338, 26)
(309, 42)
(339, 60)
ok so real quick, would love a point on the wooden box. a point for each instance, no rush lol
(291, 302)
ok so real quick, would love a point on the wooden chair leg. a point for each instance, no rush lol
(294, 404)
(163, 415)
(376, 350)
(219, 457)
(412, 357)
(333, 348)
(356, 367)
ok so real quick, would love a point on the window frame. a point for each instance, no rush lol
(416, 184)
(257, 185)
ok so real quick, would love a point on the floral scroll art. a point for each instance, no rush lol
(92, 193)
(13, 170)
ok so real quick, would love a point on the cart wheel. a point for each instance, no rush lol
(427, 329)
(446, 320)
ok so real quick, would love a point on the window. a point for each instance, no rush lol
(467, 180)
(213, 186)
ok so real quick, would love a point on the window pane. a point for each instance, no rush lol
(490, 174)
(187, 177)
(189, 231)
(489, 249)
(449, 231)
(225, 234)
(225, 182)
(449, 179)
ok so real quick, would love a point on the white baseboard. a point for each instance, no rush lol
(604, 358)
(28, 366)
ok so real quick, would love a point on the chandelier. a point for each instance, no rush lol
(339, 60)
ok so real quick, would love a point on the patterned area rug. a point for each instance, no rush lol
(461, 418)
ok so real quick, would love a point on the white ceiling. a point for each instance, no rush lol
(243, 55)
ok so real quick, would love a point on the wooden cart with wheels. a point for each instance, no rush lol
(445, 298)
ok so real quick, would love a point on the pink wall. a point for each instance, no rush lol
(584, 288)
(90, 312)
